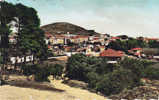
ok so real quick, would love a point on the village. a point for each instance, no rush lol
(62, 46)
(95, 45)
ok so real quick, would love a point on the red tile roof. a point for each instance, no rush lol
(49, 47)
(111, 53)
(114, 38)
(47, 34)
(102, 46)
(59, 36)
(137, 54)
(136, 49)
(96, 38)
(67, 47)
(151, 38)
(79, 36)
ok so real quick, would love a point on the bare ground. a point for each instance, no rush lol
(8, 92)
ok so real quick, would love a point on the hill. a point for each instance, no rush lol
(64, 27)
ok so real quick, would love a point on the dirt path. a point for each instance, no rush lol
(16, 93)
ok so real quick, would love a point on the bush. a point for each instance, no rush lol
(116, 81)
(55, 70)
(76, 67)
(42, 72)
(42, 75)
(93, 78)
(135, 65)
(151, 73)
(106, 78)
(30, 69)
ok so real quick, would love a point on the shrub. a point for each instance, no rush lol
(151, 73)
(116, 81)
(30, 69)
(42, 75)
(55, 70)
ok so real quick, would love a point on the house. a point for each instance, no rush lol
(12, 40)
(136, 51)
(83, 38)
(114, 38)
(112, 55)
(96, 39)
(102, 48)
(67, 48)
(79, 39)
(59, 39)
(54, 39)
(18, 59)
(150, 39)
(48, 38)
(75, 39)
(50, 47)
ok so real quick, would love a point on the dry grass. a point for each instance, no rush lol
(8, 92)
(35, 85)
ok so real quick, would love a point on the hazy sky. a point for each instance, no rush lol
(131, 17)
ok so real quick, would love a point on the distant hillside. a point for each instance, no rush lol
(64, 27)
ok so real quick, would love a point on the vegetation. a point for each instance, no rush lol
(107, 78)
(152, 72)
(153, 44)
(42, 72)
(56, 70)
(29, 36)
(127, 44)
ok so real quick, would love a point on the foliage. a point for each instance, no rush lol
(30, 69)
(135, 65)
(103, 77)
(93, 78)
(42, 72)
(115, 82)
(153, 44)
(127, 44)
(30, 38)
(56, 70)
(79, 66)
(151, 51)
(76, 67)
(151, 72)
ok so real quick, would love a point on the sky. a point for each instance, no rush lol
(115, 17)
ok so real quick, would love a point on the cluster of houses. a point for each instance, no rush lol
(95, 45)
(91, 45)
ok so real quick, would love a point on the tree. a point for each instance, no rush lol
(93, 79)
(56, 70)
(127, 45)
(153, 44)
(6, 16)
(30, 36)
(115, 82)
(151, 72)
(76, 67)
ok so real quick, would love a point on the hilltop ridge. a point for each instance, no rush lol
(64, 27)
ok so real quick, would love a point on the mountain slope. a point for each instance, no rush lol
(64, 27)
